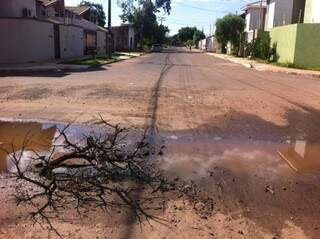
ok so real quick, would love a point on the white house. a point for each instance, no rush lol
(254, 14)
(42, 30)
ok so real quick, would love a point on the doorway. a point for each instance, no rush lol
(56, 34)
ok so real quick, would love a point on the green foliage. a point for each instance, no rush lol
(98, 15)
(273, 53)
(99, 61)
(197, 36)
(165, 4)
(188, 34)
(229, 28)
(263, 45)
(143, 18)
(160, 34)
(175, 41)
(189, 44)
(260, 47)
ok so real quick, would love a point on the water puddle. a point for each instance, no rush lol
(194, 158)
(302, 157)
(35, 137)
(29, 136)
(187, 156)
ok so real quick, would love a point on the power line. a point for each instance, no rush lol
(199, 8)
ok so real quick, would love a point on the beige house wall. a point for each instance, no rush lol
(101, 43)
(26, 40)
(14, 8)
(71, 41)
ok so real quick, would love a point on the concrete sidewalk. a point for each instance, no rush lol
(265, 67)
(39, 67)
(58, 65)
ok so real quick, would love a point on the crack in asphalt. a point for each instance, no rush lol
(154, 102)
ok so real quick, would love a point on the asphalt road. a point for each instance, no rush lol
(223, 126)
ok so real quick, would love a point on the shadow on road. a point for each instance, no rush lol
(49, 73)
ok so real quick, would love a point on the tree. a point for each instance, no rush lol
(160, 34)
(175, 41)
(97, 12)
(230, 28)
(187, 34)
(143, 18)
(189, 44)
(197, 36)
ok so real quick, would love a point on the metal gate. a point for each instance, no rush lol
(56, 41)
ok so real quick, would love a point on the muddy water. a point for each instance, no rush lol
(15, 136)
(193, 158)
(302, 157)
(37, 137)
(188, 157)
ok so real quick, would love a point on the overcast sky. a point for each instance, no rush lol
(199, 13)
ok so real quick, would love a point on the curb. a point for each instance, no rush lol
(263, 67)
(247, 65)
(31, 69)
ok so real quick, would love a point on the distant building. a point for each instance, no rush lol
(209, 44)
(41, 30)
(254, 14)
(124, 38)
(202, 45)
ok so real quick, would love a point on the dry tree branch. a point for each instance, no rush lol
(104, 171)
(98, 171)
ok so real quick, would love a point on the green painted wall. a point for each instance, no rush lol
(308, 12)
(285, 38)
(298, 44)
(307, 52)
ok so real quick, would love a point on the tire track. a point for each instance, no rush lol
(153, 107)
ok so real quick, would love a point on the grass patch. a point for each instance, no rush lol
(99, 61)
(290, 65)
(287, 65)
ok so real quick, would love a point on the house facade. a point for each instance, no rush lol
(294, 27)
(254, 14)
(209, 44)
(43, 30)
(284, 12)
(124, 38)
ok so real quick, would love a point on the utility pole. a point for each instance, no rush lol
(161, 19)
(110, 37)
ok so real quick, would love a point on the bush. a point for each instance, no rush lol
(259, 47)
(229, 29)
(263, 45)
(273, 53)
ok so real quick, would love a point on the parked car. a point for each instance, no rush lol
(156, 48)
